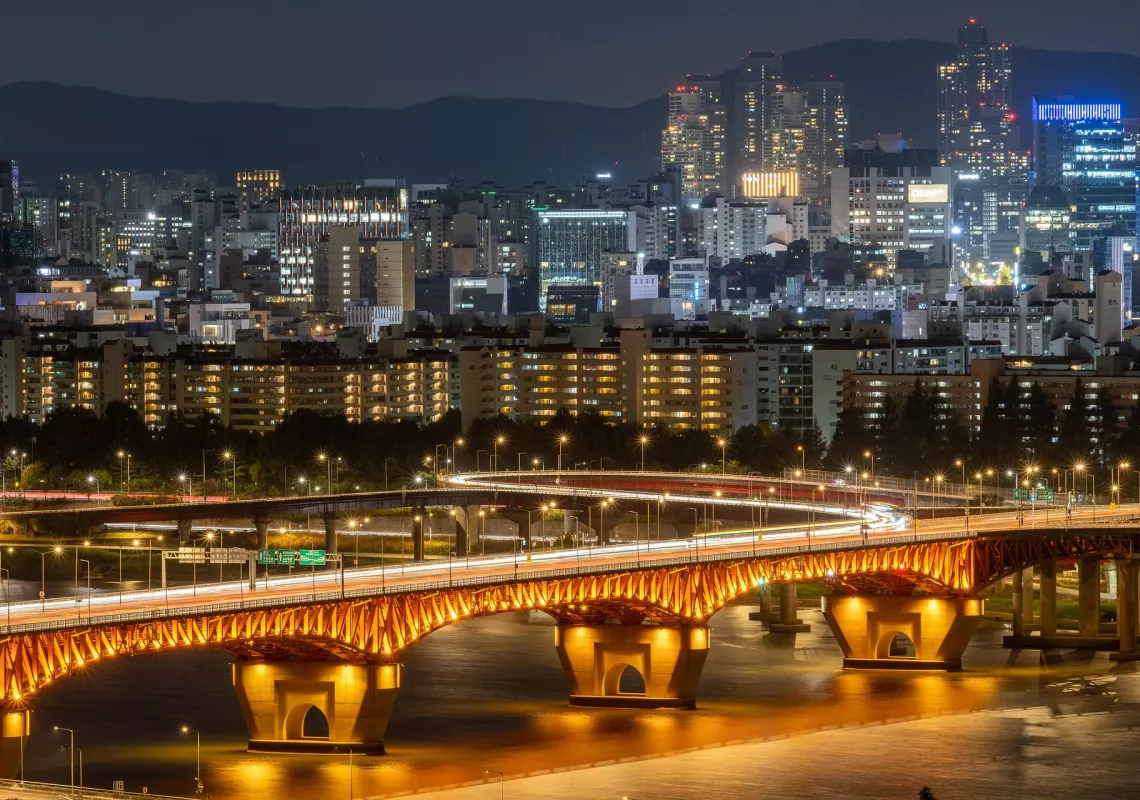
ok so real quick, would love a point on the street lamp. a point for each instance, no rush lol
(227, 455)
(183, 478)
(71, 749)
(722, 443)
(870, 455)
(643, 440)
(121, 455)
(198, 755)
(91, 479)
(43, 574)
(496, 772)
(563, 440)
(500, 440)
(803, 457)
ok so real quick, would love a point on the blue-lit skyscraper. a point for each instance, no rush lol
(1083, 148)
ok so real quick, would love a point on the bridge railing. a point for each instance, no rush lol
(904, 485)
(519, 573)
(7, 787)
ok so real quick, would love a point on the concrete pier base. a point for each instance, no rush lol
(1088, 596)
(355, 699)
(866, 628)
(668, 660)
(14, 729)
(788, 622)
(1126, 570)
(765, 614)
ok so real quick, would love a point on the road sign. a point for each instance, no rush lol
(228, 555)
(192, 555)
(312, 558)
(1044, 493)
(287, 557)
(266, 556)
(1022, 494)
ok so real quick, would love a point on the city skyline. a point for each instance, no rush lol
(525, 59)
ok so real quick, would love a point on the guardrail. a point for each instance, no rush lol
(64, 790)
(693, 556)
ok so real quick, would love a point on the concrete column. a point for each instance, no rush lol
(15, 726)
(1027, 597)
(764, 594)
(789, 620)
(330, 533)
(1088, 578)
(418, 535)
(1125, 610)
(866, 626)
(1018, 603)
(462, 541)
(1049, 597)
(184, 529)
(262, 526)
(669, 661)
(356, 700)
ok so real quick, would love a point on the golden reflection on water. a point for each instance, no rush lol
(489, 695)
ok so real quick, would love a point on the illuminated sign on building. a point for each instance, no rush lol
(928, 193)
(1075, 112)
(776, 183)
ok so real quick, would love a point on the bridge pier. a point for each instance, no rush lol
(669, 661)
(1049, 597)
(14, 729)
(355, 700)
(522, 522)
(789, 622)
(184, 529)
(1088, 596)
(764, 592)
(865, 627)
(462, 540)
(1126, 573)
(261, 524)
(418, 535)
(330, 533)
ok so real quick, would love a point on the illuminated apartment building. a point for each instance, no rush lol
(258, 187)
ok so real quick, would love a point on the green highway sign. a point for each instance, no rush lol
(285, 557)
(1022, 494)
(312, 558)
(1044, 493)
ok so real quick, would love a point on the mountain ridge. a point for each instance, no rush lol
(52, 128)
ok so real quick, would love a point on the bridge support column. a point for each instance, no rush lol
(330, 533)
(462, 540)
(1049, 597)
(1027, 597)
(261, 524)
(866, 627)
(1088, 595)
(669, 661)
(522, 522)
(184, 528)
(355, 699)
(764, 593)
(418, 535)
(1018, 603)
(789, 622)
(14, 729)
(1126, 570)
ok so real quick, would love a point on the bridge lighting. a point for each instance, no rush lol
(135, 542)
(86, 542)
(419, 479)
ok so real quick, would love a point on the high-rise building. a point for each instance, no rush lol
(825, 136)
(1083, 147)
(119, 190)
(752, 85)
(308, 212)
(9, 190)
(570, 243)
(889, 198)
(258, 187)
(396, 274)
(977, 138)
(694, 137)
(975, 88)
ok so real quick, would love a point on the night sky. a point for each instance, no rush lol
(383, 53)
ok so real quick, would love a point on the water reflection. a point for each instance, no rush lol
(490, 693)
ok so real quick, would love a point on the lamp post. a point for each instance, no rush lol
(228, 455)
(643, 440)
(870, 455)
(496, 772)
(188, 484)
(197, 756)
(563, 440)
(499, 440)
(71, 749)
(803, 457)
(122, 454)
(88, 563)
(722, 443)
(43, 574)
(91, 479)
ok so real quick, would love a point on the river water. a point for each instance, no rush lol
(777, 718)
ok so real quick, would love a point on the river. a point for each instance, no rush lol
(489, 694)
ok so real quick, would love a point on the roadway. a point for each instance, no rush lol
(861, 525)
